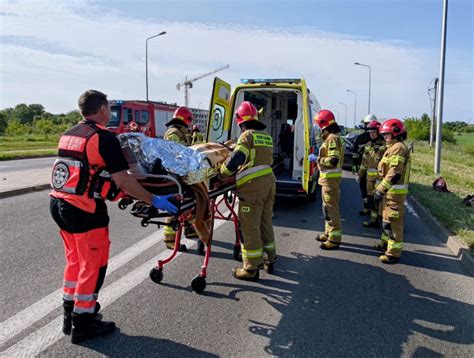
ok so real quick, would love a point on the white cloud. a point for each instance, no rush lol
(73, 47)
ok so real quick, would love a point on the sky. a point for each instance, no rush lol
(51, 51)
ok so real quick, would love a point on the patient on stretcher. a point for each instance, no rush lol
(192, 166)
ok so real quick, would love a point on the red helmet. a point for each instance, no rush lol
(393, 126)
(325, 118)
(184, 114)
(374, 125)
(246, 112)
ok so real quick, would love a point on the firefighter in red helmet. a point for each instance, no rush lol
(90, 169)
(394, 171)
(197, 136)
(371, 155)
(329, 161)
(252, 159)
(179, 131)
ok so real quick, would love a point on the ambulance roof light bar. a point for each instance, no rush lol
(269, 80)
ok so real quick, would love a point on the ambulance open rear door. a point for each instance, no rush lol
(220, 121)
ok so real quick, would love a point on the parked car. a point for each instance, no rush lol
(349, 141)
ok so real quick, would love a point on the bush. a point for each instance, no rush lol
(448, 136)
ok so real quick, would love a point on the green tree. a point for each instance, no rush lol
(3, 122)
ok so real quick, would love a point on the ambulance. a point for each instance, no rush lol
(287, 107)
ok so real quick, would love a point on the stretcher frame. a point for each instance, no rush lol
(222, 194)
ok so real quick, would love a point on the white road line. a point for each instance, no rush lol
(46, 336)
(49, 334)
(411, 210)
(30, 315)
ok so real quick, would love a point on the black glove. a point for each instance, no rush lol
(334, 161)
(378, 196)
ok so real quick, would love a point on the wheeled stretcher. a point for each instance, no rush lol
(221, 196)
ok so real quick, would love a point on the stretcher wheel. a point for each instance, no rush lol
(156, 274)
(236, 254)
(122, 205)
(145, 222)
(198, 284)
(200, 248)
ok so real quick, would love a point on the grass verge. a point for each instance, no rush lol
(457, 168)
(27, 147)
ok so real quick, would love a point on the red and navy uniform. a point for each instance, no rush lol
(88, 154)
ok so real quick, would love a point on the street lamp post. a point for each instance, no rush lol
(355, 105)
(345, 113)
(146, 59)
(370, 80)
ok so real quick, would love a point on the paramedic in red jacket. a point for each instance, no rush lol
(90, 169)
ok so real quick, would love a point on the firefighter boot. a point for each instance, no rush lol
(364, 211)
(387, 259)
(86, 326)
(190, 232)
(321, 237)
(269, 267)
(329, 245)
(170, 246)
(243, 274)
(67, 318)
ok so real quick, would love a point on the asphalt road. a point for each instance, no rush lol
(25, 164)
(332, 304)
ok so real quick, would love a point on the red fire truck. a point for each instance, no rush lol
(148, 117)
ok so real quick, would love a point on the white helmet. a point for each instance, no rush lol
(369, 118)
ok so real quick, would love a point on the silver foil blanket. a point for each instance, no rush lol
(188, 164)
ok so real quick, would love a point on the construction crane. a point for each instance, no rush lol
(189, 83)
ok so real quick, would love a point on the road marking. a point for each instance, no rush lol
(49, 334)
(46, 336)
(411, 210)
(32, 314)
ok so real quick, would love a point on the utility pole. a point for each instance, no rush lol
(189, 83)
(433, 112)
(440, 97)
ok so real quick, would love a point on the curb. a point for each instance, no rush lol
(33, 156)
(24, 190)
(456, 246)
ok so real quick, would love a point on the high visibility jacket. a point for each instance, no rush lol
(178, 134)
(330, 150)
(197, 138)
(394, 169)
(373, 153)
(79, 174)
(254, 154)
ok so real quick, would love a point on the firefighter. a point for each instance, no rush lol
(360, 141)
(197, 136)
(373, 152)
(329, 161)
(394, 171)
(252, 159)
(178, 131)
(90, 168)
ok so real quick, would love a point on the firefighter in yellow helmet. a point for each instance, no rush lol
(331, 157)
(394, 171)
(372, 153)
(178, 131)
(252, 159)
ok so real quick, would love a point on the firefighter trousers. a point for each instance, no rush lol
(374, 211)
(363, 188)
(393, 223)
(332, 226)
(86, 246)
(256, 199)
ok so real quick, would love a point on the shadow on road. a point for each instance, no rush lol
(334, 307)
(122, 345)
